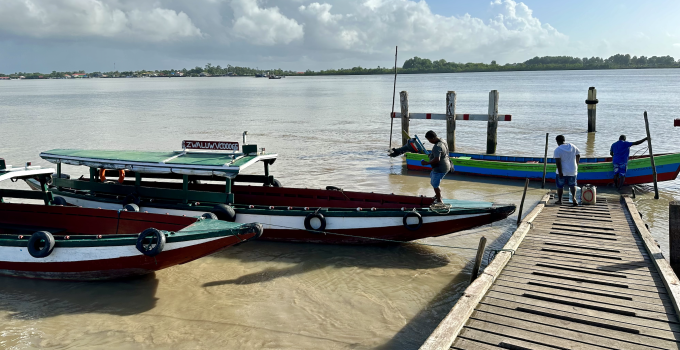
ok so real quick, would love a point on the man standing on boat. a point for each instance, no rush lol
(620, 151)
(566, 157)
(440, 162)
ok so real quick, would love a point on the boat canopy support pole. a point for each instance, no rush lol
(47, 195)
(451, 120)
(59, 170)
(93, 174)
(266, 174)
(492, 125)
(138, 179)
(185, 188)
(230, 196)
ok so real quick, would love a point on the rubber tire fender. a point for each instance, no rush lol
(131, 207)
(257, 228)
(308, 224)
(160, 242)
(59, 201)
(35, 240)
(209, 216)
(277, 183)
(333, 188)
(413, 214)
(224, 212)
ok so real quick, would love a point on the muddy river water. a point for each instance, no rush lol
(327, 131)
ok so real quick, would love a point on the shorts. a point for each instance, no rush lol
(561, 180)
(620, 168)
(436, 179)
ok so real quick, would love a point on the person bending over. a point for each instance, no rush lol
(620, 151)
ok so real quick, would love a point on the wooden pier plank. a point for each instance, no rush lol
(581, 277)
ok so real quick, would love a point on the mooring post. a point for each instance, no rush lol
(674, 235)
(521, 204)
(403, 97)
(478, 259)
(651, 157)
(492, 125)
(545, 159)
(591, 102)
(451, 120)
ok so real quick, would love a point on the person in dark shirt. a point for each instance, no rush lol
(440, 162)
(620, 151)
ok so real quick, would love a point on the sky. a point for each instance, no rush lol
(93, 35)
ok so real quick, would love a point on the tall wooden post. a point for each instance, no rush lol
(651, 157)
(451, 120)
(674, 235)
(492, 125)
(478, 259)
(591, 102)
(545, 160)
(403, 97)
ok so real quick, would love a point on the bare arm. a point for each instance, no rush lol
(639, 141)
(578, 160)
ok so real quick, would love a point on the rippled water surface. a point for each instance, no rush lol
(327, 131)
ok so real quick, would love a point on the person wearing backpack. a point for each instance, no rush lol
(440, 162)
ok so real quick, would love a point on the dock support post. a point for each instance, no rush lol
(478, 259)
(403, 98)
(492, 125)
(651, 157)
(521, 205)
(674, 235)
(591, 102)
(545, 159)
(451, 120)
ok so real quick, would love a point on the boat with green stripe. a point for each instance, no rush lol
(204, 180)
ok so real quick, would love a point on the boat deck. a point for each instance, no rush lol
(586, 277)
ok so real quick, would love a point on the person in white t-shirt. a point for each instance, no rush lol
(566, 157)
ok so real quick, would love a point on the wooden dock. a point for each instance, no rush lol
(588, 277)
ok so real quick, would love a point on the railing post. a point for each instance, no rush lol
(403, 97)
(674, 235)
(451, 120)
(492, 125)
(591, 102)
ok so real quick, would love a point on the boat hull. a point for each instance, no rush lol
(350, 227)
(97, 244)
(596, 171)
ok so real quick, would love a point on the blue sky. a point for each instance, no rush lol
(46, 35)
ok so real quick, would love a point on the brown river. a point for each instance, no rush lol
(327, 131)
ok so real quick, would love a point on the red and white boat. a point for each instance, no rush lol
(210, 181)
(67, 242)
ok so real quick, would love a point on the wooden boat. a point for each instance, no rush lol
(595, 171)
(209, 184)
(67, 242)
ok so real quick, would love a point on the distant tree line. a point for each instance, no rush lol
(412, 65)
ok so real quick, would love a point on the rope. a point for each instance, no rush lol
(373, 238)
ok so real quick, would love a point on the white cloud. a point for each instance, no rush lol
(92, 18)
(263, 26)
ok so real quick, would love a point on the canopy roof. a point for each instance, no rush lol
(177, 162)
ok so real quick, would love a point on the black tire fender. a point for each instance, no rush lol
(35, 242)
(255, 227)
(333, 188)
(308, 222)
(224, 212)
(209, 216)
(150, 249)
(415, 215)
(59, 201)
(276, 183)
(131, 207)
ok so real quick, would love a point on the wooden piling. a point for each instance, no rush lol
(591, 102)
(521, 204)
(451, 120)
(478, 259)
(403, 97)
(545, 159)
(651, 157)
(674, 235)
(492, 125)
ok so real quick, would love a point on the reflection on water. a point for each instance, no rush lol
(327, 131)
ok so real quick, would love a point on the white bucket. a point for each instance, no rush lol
(589, 195)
